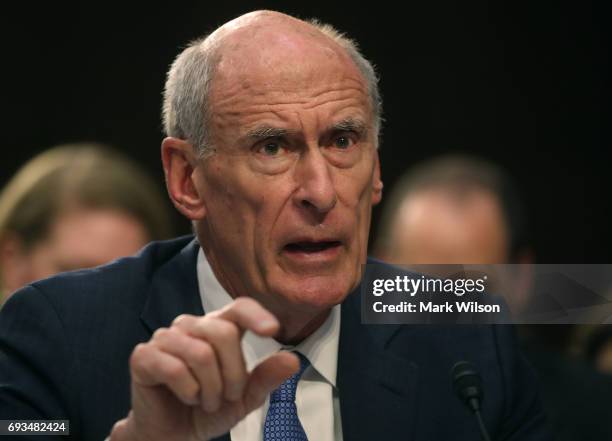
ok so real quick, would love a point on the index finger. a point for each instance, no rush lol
(244, 312)
(248, 314)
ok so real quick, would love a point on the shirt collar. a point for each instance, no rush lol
(321, 347)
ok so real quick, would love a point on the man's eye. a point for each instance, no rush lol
(271, 148)
(343, 142)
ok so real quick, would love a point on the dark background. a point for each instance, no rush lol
(524, 85)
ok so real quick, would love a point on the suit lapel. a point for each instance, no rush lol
(377, 389)
(173, 290)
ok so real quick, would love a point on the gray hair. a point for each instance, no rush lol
(186, 105)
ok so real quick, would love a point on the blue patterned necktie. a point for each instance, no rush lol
(282, 422)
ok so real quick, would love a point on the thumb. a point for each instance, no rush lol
(269, 375)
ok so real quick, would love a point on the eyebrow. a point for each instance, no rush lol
(350, 125)
(265, 132)
(346, 125)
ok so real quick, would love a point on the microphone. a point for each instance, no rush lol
(468, 388)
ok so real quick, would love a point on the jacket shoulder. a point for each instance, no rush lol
(68, 338)
(111, 281)
(86, 299)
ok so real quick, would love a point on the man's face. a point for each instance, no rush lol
(78, 238)
(289, 190)
(438, 227)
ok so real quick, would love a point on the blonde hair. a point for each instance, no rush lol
(82, 175)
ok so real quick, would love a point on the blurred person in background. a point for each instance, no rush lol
(75, 206)
(464, 210)
(453, 209)
(599, 348)
(594, 343)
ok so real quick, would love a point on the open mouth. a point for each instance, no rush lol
(312, 247)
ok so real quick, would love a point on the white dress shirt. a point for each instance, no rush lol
(316, 397)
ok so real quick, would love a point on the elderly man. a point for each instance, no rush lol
(272, 128)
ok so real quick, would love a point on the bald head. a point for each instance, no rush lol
(261, 45)
(436, 226)
(251, 26)
(253, 37)
(266, 43)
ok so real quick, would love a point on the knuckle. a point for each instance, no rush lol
(119, 428)
(214, 314)
(213, 390)
(233, 376)
(192, 393)
(227, 331)
(182, 319)
(140, 352)
(202, 355)
(160, 334)
(166, 337)
(173, 370)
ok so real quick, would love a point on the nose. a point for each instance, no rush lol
(316, 190)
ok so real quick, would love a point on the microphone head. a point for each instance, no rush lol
(467, 384)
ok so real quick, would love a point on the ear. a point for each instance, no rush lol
(180, 163)
(377, 184)
(15, 265)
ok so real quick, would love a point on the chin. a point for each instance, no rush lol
(316, 292)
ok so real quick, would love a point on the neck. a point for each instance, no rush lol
(297, 322)
(294, 330)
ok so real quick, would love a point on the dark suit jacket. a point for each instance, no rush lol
(65, 344)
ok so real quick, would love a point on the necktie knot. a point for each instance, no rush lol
(282, 422)
(286, 391)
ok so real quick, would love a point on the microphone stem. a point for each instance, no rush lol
(483, 429)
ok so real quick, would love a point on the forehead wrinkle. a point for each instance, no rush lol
(280, 108)
(257, 98)
(243, 91)
(321, 100)
(306, 75)
(252, 116)
(231, 106)
(269, 123)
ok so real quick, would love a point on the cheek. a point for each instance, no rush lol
(225, 192)
(360, 177)
(363, 211)
(273, 212)
(241, 206)
(42, 263)
(355, 191)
